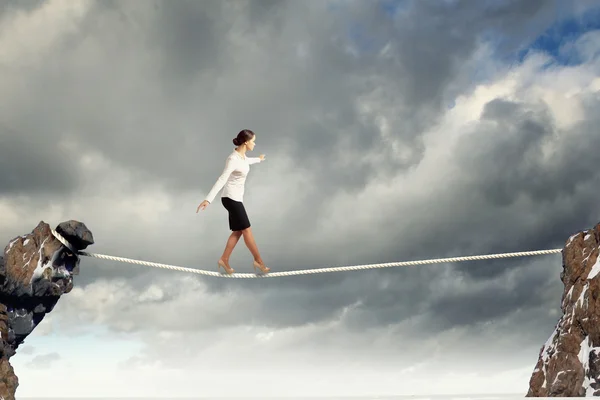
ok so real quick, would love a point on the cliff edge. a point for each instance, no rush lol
(35, 270)
(569, 361)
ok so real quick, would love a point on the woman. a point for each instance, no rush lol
(233, 179)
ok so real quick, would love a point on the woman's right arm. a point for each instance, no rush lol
(229, 167)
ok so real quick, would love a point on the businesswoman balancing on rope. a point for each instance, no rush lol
(232, 181)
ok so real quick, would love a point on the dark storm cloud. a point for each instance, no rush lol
(168, 55)
(432, 41)
(109, 64)
(191, 37)
(34, 164)
(505, 160)
(491, 302)
(173, 54)
(506, 150)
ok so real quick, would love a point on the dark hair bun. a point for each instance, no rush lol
(243, 137)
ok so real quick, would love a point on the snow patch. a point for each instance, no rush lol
(12, 243)
(557, 375)
(25, 242)
(584, 358)
(569, 294)
(40, 267)
(549, 346)
(587, 237)
(595, 269)
(581, 297)
(38, 271)
(571, 239)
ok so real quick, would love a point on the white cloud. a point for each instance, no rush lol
(43, 361)
(26, 37)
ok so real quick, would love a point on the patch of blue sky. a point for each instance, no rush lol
(555, 40)
(335, 5)
(392, 7)
(97, 343)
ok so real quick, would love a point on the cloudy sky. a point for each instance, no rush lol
(393, 131)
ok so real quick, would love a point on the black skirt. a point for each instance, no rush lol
(238, 219)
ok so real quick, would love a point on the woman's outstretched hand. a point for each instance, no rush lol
(262, 157)
(202, 205)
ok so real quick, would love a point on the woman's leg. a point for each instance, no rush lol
(231, 242)
(249, 239)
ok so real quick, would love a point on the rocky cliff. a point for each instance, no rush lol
(569, 362)
(35, 271)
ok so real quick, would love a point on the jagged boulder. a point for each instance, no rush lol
(569, 361)
(35, 270)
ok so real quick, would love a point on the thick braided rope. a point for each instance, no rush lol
(306, 271)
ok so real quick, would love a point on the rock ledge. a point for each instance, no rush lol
(35, 270)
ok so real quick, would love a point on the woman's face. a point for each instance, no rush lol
(251, 143)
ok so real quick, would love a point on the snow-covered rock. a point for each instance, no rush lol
(569, 361)
(35, 271)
